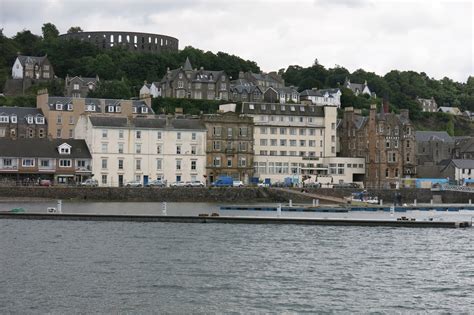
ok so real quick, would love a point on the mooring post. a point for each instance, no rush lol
(431, 201)
(381, 202)
(414, 202)
(163, 208)
(60, 206)
(392, 210)
(470, 201)
(314, 202)
(291, 203)
(279, 210)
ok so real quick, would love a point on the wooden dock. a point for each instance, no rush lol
(233, 220)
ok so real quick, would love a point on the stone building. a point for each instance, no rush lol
(282, 95)
(62, 113)
(79, 86)
(229, 147)
(243, 91)
(263, 80)
(28, 71)
(152, 89)
(385, 140)
(22, 122)
(432, 148)
(463, 148)
(358, 88)
(428, 104)
(141, 149)
(61, 161)
(199, 84)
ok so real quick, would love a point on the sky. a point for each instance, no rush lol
(435, 37)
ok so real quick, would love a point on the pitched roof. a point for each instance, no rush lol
(447, 109)
(20, 111)
(30, 59)
(423, 136)
(157, 122)
(311, 92)
(43, 148)
(463, 163)
(187, 65)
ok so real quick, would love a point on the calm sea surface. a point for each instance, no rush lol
(108, 267)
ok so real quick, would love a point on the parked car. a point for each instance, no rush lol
(90, 183)
(134, 183)
(195, 183)
(45, 182)
(237, 183)
(156, 183)
(223, 181)
(178, 184)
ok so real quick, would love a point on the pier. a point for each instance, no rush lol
(235, 220)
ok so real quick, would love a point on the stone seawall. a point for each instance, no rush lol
(231, 195)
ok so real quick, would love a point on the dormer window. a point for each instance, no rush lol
(282, 108)
(4, 118)
(251, 107)
(302, 108)
(91, 87)
(90, 108)
(264, 107)
(292, 108)
(39, 120)
(13, 119)
(180, 75)
(118, 109)
(110, 109)
(64, 149)
(144, 110)
(59, 106)
(69, 106)
(29, 119)
(134, 110)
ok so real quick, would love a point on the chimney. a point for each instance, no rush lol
(385, 105)
(405, 113)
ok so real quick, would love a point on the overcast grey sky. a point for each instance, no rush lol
(431, 36)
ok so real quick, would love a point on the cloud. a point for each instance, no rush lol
(433, 37)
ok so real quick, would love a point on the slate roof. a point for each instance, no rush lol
(311, 92)
(53, 100)
(463, 163)
(424, 136)
(43, 148)
(200, 75)
(276, 109)
(447, 109)
(84, 79)
(157, 122)
(31, 59)
(20, 111)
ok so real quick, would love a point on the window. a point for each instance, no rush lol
(302, 143)
(229, 162)
(178, 135)
(217, 131)
(65, 163)
(120, 134)
(158, 135)
(302, 132)
(292, 143)
(64, 149)
(273, 131)
(293, 131)
(138, 148)
(180, 84)
(120, 164)
(59, 106)
(76, 87)
(120, 148)
(159, 164)
(43, 163)
(4, 119)
(263, 130)
(13, 119)
(282, 142)
(104, 147)
(193, 150)
(193, 136)
(59, 119)
(28, 162)
(104, 164)
(333, 126)
(193, 165)
(138, 134)
(159, 149)
(71, 120)
(104, 133)
(312, 143)
(178, 149)
(216, 145)
(178, 165)
(263, 142)
(242, 161)
(229, 132)
(273, 142)
(283, 131)
(138, 165)
(216, 161)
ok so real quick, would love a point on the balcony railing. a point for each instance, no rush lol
(8, 167)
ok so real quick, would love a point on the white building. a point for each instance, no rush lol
(322, 97)
(125, 149)
(293, 140)
(153, 90)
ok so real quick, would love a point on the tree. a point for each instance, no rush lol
(112, 89)
(74, 29)
(50, 32)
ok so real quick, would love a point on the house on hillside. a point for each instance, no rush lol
(322, 97)
(449, 110)
(282, 95)
(152, 89)
(186, 82)
(242, 90)
(78, 86)
(30, 67)
(428, 104)
(459, 170)
(357, 88)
